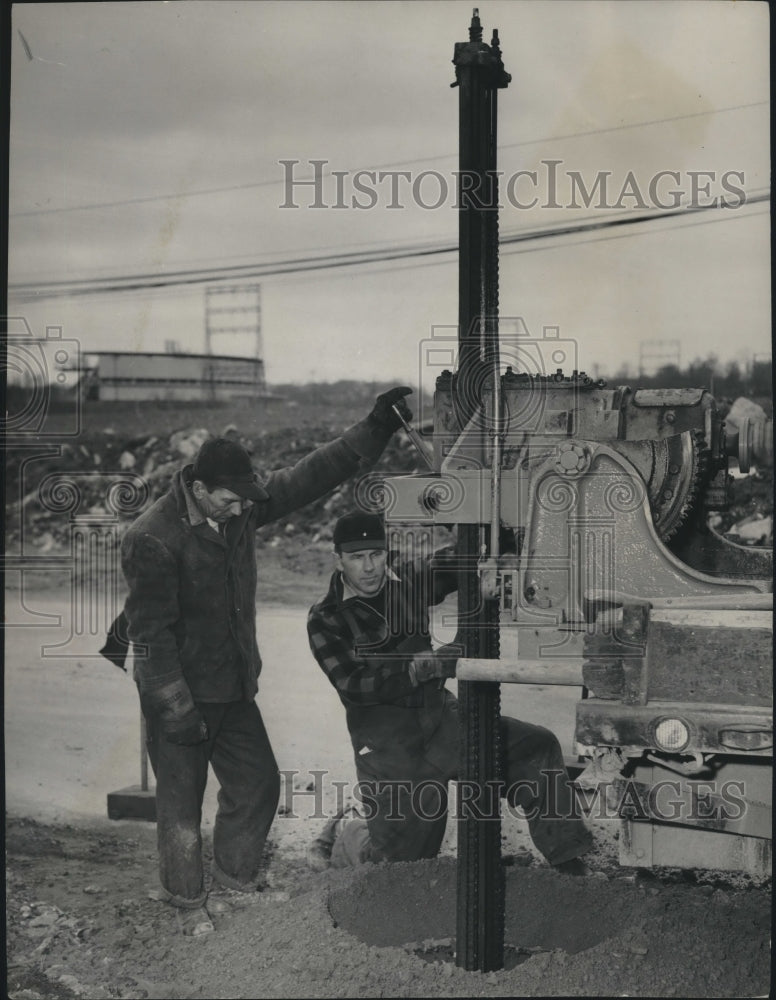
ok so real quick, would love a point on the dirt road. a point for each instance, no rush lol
(81, 921)
(72, 722)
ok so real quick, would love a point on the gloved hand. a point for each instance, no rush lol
(172, 706)
(383, 417)
(369, 436)
(186, 731)
(431, 666)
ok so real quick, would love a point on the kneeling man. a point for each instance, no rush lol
(370, 636)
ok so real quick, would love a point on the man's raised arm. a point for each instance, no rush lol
(325, 468)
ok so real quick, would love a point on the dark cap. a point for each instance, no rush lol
(359, 531)
(226, 464)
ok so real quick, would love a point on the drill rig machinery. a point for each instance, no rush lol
(607, 576)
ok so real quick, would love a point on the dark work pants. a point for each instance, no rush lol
(239, 751)
(404, 796)
(535, 780)
(403, 788)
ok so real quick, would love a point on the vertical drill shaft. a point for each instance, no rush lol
(480, 920)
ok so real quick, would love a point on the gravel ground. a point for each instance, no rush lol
(83, 922)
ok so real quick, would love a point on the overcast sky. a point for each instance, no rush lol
(146, 139)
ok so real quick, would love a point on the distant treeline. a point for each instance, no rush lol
(334, 393)
(330, 392)
(723, 381)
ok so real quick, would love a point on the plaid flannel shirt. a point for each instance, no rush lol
(366, 655)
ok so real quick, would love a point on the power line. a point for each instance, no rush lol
(583, 227)
(253, 259)
(256, 260)
(384, 166)
(619, 128)
(534, 244)
(76, 288)
(373, 247)
(509, 247)
(620, 235)
(301, 264)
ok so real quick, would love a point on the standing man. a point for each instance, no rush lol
(370, 636)
(190, 562)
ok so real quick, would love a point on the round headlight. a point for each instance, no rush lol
(672, 734)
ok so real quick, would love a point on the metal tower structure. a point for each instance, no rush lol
(235, 311)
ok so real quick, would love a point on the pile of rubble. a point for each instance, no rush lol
(104, 479)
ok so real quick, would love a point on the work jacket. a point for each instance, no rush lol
(366, 653)
(191, 608)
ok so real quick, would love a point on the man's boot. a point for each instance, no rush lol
(319, 852)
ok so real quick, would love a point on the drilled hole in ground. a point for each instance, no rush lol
(446, 953)
(415, 905)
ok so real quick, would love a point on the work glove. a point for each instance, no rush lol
(178, 717)
(369, 436)
(433, 666)
(186, 731)
(382, 417)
